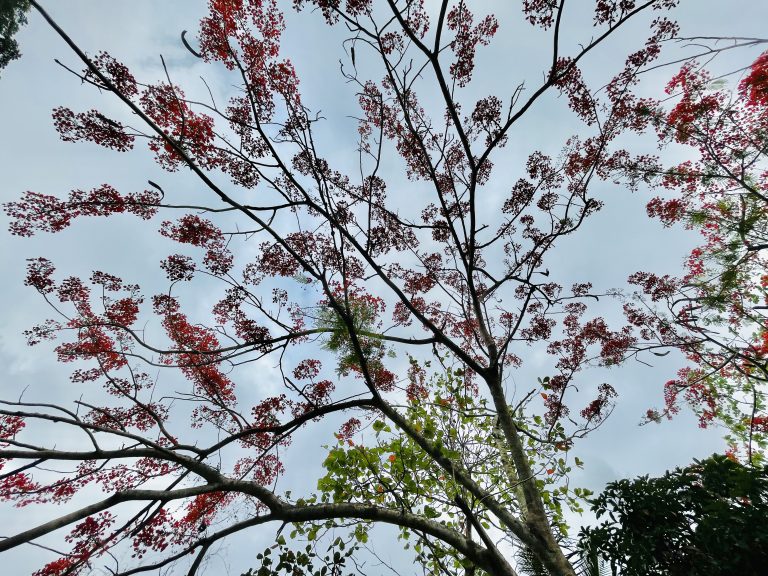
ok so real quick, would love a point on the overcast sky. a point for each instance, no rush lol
(615, 243)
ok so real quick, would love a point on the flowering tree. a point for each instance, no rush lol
(425, 304)
(716, 312)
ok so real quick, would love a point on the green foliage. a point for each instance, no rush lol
(364, 314)
(586, 564)
(731, 412)
(528, 564)
(740, 220)
(708, 519)
(394, 472)
(309, 561)
(389, 469)
(12, 16)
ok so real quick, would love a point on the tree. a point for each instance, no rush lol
(383, 272)
(707, 518)
(716, 312)
(12, 15)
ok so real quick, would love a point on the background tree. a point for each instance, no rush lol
(384, 272)
(707, 518)
(12, 15)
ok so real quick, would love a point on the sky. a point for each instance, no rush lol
(618, 241)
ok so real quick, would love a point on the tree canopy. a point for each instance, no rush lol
(704, 519)
(385, 310)
(12, 15)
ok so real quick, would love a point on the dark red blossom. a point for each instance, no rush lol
(307, 369)
(668, 211)
(417, 17)
(153, 534)
(93, 343)
(539, 12)
(417, 388)
(696, 104)
(186, 131)
(178, 267)
(315, 394)
(609, 11)
(568, 79)
(382, 378)
(487, 118)
(755, 85)
(203, 507)
(92, 126)
(59, 567)
(18, 487)
(265, 413)
(760, 423)
(192, 229)
(39, 272)
(43, 213)
(138, 417)
(657, 287)
(115, 72)
(349, 429)
(464, 46)
(246, 35)
(10, 426)
(228, 24)
(596, 410)
(198, 359)
(696, 389)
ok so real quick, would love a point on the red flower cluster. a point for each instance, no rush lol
(199, 357)
(115, 72)
(191, 229)
(92, 126)
(185, 130)
(460, 20)
(755, 86)
(43, 213)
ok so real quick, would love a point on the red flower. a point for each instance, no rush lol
(755, 85)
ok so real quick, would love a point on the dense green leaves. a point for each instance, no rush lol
(12, 16)
(708, 519)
